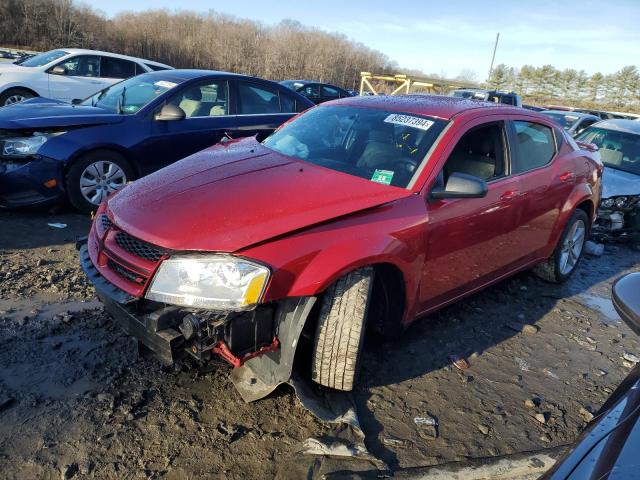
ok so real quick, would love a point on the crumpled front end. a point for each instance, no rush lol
(618, 218)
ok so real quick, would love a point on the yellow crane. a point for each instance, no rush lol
(403, 83)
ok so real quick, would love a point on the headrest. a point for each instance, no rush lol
(193, 94)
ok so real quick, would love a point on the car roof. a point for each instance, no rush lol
(111, 54)
(620, 125)
(570, 113)
(191, 73)
(439, 106)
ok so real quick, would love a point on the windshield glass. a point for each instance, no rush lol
(619, 150)
(43, 58)
(566, 120)
(131, 95)
(382, 146)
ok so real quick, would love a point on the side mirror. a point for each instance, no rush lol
(627, 301)
(170, 112)
(461, 185)
(58, 70)
(76, 101)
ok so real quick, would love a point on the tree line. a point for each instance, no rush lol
(186, 39)
(547, 84)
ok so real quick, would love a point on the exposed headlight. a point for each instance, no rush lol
(216, 282)
(607, 203)
(620, 202)
(25, 146)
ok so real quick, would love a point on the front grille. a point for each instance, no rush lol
(138, 248)
(105, 222)
(126, 273)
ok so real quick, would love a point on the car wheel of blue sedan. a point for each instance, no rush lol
(95, 176)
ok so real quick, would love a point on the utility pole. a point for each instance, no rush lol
(493, 57)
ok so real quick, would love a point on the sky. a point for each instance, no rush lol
(450, 37)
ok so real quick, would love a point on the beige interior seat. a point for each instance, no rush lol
(191, 101)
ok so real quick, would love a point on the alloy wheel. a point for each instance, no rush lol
(572, 247)
(17, 98)
(100, 179)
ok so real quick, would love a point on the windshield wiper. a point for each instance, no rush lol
(121, 100)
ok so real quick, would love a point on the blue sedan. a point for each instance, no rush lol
(83, 152)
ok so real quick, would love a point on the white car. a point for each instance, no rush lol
(68, 74)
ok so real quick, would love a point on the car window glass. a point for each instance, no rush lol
(256, 99)
(287, 103)
(81, 66)
(311, 90)
(534, 147)
(329, 91)
(156, 68)
(480, 152)
(111, 67)
(617, 149)
(43, 58)
(208, 99)
(377, 145)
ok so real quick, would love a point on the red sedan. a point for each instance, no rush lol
(363, 213)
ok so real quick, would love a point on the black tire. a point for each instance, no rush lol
(12, 92)
(338, 341)
(75, 171)
(550, 270)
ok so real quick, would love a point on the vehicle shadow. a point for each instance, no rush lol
(465, 329)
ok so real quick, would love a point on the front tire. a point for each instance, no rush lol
(94, 176)
(340, 331)
(15, 95)
(568, 253)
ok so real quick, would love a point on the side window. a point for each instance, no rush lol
(535, 146)
(329, 91)
(111, 67)
(287, 103)
(81, 66)
(312, 90)
(480, 152)
(208, 99)
(254, 99)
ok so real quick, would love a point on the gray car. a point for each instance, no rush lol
(573, 122)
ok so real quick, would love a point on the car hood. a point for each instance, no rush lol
(238, 194)
(618, 182)
(47, 113)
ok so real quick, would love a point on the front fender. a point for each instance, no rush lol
(16, 83)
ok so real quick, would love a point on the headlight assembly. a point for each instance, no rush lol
(215, 282)
(26, 146)
(607, 203)
(620, 202)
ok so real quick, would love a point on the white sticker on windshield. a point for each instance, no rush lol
(409, 121)
(165, 84)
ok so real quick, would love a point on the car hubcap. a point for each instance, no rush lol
(572, 247)
(14, 99)
(100, 179)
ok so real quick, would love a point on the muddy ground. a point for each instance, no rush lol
(77, 401)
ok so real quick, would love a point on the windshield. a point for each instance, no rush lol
(131, 95)
(382, 146)
(43, 58)
(566, 120)
(619, 150)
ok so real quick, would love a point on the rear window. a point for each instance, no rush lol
(381, 146)
(255, 99)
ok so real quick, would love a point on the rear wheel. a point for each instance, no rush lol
(15, 95)
(568, 253)
(94, 176)
(340, 331)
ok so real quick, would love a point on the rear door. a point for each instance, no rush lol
(206, 107)
(260, 108)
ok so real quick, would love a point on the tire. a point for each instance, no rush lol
(15, 95)
(338, 341)
(81, 171)
(553, 269)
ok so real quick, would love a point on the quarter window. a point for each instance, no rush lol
(535, 146)
(256, 100)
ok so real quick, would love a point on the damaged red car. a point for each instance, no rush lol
(360, 214)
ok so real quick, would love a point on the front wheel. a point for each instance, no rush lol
(15, 95)
(568, 253)
(94, 176)
(340, 331)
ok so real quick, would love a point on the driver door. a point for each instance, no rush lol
(471, 241)
(81, 78)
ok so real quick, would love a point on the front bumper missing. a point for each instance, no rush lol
(617, 225)
(257, 372)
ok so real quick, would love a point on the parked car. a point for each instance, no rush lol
(619, 147)
(68, 74)
(609, 446)
(533, 108)
(7, 55)
(52, 150)
(315, 91)
(376, 210)
(495, 96)
(573, 122)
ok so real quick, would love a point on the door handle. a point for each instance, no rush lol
(509, 195)
(567, 177)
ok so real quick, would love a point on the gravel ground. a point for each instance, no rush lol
(77, 401)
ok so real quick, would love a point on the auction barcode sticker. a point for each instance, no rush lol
(409, 121)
